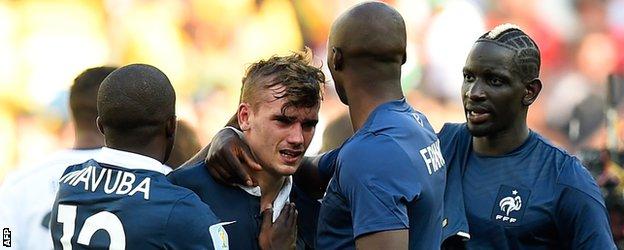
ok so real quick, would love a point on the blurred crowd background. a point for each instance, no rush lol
(205, 46)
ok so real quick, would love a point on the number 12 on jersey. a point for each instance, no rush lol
(104, 220)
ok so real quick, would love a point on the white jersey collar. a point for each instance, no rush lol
(282, 197)
(129, 160)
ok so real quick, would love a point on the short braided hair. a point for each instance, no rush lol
(527, 57)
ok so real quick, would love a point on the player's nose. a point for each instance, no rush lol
(475, 92)
(295, 135)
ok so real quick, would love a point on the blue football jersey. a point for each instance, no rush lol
(104, 206)
(389, 175)
(240, 209)
(534, 197)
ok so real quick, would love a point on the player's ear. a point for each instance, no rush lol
(404, 58)
(170, 127)
(244, 113)
(337, 59)
(98, 122)
(532, 90)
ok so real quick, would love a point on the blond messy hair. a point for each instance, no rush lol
(302, 83)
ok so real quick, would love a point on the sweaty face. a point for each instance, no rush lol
(492, 91)
(278, 139)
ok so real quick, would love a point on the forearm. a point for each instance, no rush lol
(309, 179)
(395, 239)
(199, 157)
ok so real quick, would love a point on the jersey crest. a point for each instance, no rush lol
(509, 206)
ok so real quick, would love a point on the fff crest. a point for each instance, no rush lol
(509, 205)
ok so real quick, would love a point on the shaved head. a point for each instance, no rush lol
(135, 97)
(371, 29)
(366, 49)
(136, 111)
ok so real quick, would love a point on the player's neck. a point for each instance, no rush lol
(500, 143)
(270, 185)
(88, 139)
(153, 148)
(362, 101)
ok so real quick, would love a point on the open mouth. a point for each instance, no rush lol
(477, 116)
(290, 156)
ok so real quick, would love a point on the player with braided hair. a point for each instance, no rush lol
(507, 186)
(527, 53)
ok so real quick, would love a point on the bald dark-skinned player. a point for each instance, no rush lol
(121, 198)
(388, 179)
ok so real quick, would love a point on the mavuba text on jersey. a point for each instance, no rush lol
(94, 179)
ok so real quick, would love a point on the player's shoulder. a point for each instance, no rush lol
(454, 138)
(192, 222)
(187, 203)
(368, 145)
(451, 130)
(182, 200)
(172, 183)
(570, 172)
(396, 114)
(190, 175)
(564, 162)
(366, 154)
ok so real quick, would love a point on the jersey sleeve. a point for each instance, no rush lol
(193, 225)
(455, 145)
(582, 217)
(583, 221)
(377, 179)
(326, 165)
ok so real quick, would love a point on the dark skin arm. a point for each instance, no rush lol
(309, 179)
(281, 234)
(228, 158)
(395, 239)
